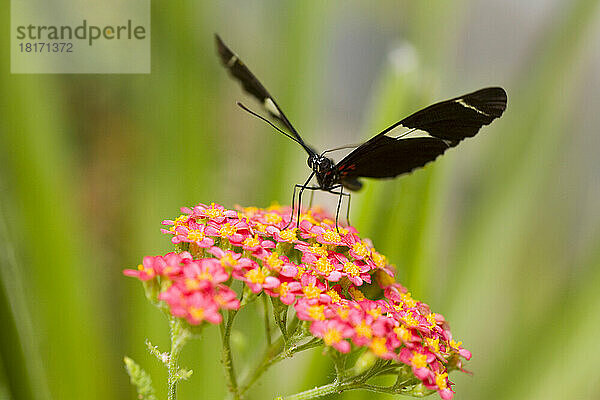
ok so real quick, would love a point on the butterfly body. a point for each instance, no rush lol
(428, 133)
(324, 170)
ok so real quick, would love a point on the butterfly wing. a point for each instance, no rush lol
(253, 86)
(446, 123)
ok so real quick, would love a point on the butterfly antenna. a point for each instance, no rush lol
(348, 146)
(243, 107)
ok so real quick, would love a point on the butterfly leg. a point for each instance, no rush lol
(339, 204)
(311, 188)
(302, 187)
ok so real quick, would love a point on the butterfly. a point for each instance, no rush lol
(440, 127)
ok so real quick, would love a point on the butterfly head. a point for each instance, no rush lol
(324, 169)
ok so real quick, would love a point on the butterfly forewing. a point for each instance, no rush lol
(253, 86)
(459, 118)
(447, 123)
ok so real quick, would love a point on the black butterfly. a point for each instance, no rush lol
(445, 124)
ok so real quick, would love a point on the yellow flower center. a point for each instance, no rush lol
(192, 284)
(455, 345)
(335, 297)
(375, 312)
(431, 320)
(402, 333)
(378, 346)
(197, 313)
(283, 289)
(410, 320)
(179, 221)
(308, 217)
(351, 269)
(274, 207)
(433, 344)
(213, 212)
(256, 275)
(274, 262)
(318, 250)
(332, 335)
(343, 312)
(196, 235)
(312, 292)
(331, 236)
(260, 227)
(419, 360)
(149, 271)
(379, 259)
(251, 242)
(441, 381)
(363, 330)
(408, 300)
(227, 230)
(324, 266)
(250, 211)
(289, 235)
(360, 249)
(228, 261)
(317, 312)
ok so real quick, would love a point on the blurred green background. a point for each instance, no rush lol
(501, 235)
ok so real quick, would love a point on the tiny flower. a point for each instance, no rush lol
(214, 212)
(256, 279)
(286, 291)
(327, 236)
(203, 274)
(201, 307)
(358, 249)
(226, 298)
(193, 233)
(333, 334)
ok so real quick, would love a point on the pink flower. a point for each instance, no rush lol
(226, 298)
(286, 291)
(201, 307)
(333, 333)
(257, 280)
(230, 260)
(228, 230)
(193, 233)
(168, 265)
(327, 236)
(214, 212)
(358, 249)
(202, 274)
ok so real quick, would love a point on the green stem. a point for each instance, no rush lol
(331, 388)
(273, 355)
(179, 336)
(227, 359)
(352, 383)
(267, 323)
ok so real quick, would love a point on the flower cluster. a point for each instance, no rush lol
(334, 280)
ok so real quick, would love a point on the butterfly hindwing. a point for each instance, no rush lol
(389, 157)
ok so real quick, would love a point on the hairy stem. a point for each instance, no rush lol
(179, 336)
(227, 358)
